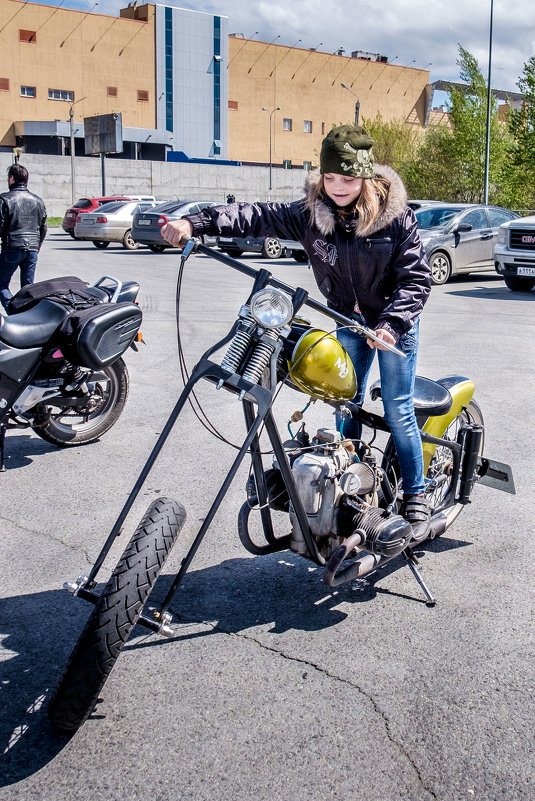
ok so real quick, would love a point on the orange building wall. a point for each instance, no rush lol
(76, 51)
(306, 85)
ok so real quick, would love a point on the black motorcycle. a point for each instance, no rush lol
(339, 498)
(61, 371)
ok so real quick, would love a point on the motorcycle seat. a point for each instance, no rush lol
(32, 328)
(430, 397)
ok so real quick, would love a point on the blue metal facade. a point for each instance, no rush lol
(192, 80)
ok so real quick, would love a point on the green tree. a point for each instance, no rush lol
(519, 165)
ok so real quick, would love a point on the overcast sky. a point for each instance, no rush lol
(417, 31)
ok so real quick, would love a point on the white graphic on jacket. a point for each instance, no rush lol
(327, 253)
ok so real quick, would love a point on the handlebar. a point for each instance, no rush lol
(194, 245)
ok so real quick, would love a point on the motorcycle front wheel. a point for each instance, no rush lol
(72, 426)
(115, 615)
(439, 473)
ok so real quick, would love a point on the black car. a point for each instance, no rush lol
(147, 225)
(269, 247)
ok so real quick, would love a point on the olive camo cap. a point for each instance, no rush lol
(347, 150)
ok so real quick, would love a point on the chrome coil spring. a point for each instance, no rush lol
(238, 347)
(258, 361)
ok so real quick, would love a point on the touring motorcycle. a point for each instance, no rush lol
(61, 371)
(339, 498)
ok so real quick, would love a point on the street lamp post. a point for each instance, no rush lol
(357, 104)
(71, 125)
(271, 113)
(489, 98)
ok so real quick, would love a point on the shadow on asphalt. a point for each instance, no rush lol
(38, 632)
(21, 448)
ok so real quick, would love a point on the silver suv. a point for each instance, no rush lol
(514, 253)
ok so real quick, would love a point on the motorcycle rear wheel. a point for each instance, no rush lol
(65, 427)
(439, 471)
(115, 615)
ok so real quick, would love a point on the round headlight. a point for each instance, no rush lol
(271, 308)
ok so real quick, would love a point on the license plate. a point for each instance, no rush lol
(143, 222)
(525, 271)
(225, 239)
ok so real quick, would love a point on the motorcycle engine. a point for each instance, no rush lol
(327, 475)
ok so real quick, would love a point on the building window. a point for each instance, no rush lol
(307, 165)
(233, 105)
(287, 164)
(286, 124)
(307, 126)
(143, 95)
(27, 91)
(112, 91)
(4, 84)
(27, 36)
(61, 94)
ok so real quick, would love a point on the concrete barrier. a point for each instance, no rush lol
(50, 177)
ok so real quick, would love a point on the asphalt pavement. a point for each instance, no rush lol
(274, 686)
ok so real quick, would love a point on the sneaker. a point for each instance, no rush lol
(415, 510)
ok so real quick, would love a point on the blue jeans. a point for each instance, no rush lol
(9, 261)
(397, 390)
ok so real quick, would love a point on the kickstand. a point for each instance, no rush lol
(412, 562)
(3, 429)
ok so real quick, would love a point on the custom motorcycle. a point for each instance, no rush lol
(61, 371)
(338, 498)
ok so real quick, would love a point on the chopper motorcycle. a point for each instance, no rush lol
(61, 371)
(339, 498)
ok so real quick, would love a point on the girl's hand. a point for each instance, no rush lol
(386, 336)
(176, 231)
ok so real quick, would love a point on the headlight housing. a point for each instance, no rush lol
(271, 308)
(502, 236)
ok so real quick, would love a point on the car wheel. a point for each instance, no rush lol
(100, 245)
(300, 256)
(440, 268)
(128, 242)
(156, 248)
(517, 284)
(272, 248)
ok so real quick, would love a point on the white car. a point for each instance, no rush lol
(514, 253)
(112, 222)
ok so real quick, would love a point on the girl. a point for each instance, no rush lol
(368, 261)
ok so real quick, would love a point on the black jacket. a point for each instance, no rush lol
(22, 219)
(384, 271)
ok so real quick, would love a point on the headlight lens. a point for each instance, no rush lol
(502, 236)
(271, 308)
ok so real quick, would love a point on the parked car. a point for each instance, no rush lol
(269, 247)
(86, 205)
(460, 237)
(111, 223)
(147, 223)
(417, 204)
(514, 253)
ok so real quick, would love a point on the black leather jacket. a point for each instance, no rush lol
(22, 219)
(384, 272)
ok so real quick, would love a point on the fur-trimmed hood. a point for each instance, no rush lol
(323, 216)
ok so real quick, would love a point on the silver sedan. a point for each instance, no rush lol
(112, 222)
(460, 237)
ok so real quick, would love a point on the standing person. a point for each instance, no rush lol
(364, 248)
(22, 231)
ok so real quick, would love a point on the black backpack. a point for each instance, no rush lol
(69, 291)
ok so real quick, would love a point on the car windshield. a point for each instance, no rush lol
(168, 206)
(435, 218)
(114, 205)
(83, 203)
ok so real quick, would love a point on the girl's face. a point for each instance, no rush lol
(343, 189)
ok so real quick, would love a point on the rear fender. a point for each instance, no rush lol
(461, 390)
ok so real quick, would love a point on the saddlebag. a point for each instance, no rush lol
(97, 336)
